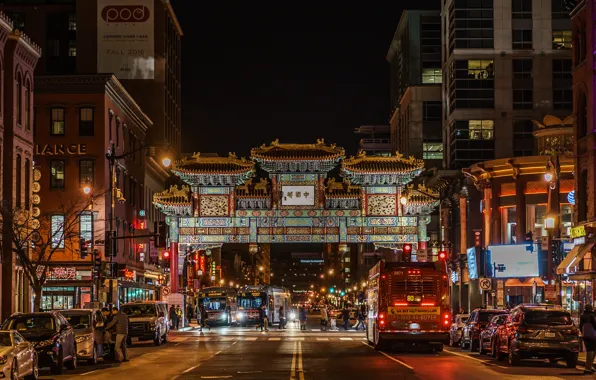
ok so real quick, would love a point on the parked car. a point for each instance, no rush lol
(456, 329)
(538, 331)
(88, 328)
(478, 320)
(487, 336)
(147, 320)
(52, 336)
(18, 358)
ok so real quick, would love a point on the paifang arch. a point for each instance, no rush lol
(299, 202)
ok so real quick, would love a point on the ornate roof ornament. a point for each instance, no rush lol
(381, 171)
(213, 171)
(174, 201)
(344, 189)
(314, 158)
(555, 136)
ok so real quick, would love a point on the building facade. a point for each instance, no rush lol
(506, 63)
(77, 118)
(19, 58)
(375, 139)
(415, 67)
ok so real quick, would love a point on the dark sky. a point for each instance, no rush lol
(253, 74)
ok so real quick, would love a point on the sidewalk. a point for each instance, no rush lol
(581, 359)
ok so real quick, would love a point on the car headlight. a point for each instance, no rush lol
(292, 315)
(240, 315)
(223, 316)
(3, 359)
(83, 338)
(45, 343)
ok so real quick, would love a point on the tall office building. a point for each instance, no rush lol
(415, 66)
(506, 62)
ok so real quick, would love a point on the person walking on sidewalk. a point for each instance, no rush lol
(302, 316)
(120, 325)
(204, 318)
(346, 317)
(282, 318)
(264, 323)
(324, 318)
(173, 317)
(179, 315)
(360, 318)
(189, 313)
(587, 325)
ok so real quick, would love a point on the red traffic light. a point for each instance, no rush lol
(407, 248)
(166, 254)
(442, 255)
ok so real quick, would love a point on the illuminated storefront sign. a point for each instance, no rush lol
(577, 232)
(60, 149)
(58, 273)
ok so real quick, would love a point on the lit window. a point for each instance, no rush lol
(481, 129)
(432, 76)
(72, 48)
(72, 21)
(562, 39)
(58, 125)
(481, 69)
(432, 151)
(86, 226)
(57, 174)
(86, 172)
(57, 231)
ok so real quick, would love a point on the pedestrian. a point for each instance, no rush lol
(173, 317)
(263, 322)
(120, 325)
(324, 318)
(189, 310)
(108, 338)
(302, 316)
(179, 315)
(204, 318)
(360, 318)
(346, 318)
(282, 318)
(587, 325)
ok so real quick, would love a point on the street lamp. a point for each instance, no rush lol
(87, 189)
(166, 162)
(549, 222)
(403, 199)
(261, 268)
(222, 281)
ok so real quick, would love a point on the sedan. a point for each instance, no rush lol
(88, 329)
(488, 335)
(456, 329)
(17, 357)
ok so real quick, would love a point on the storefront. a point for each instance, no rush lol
(134, 286)
(67, 288)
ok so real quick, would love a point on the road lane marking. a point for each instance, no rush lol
(300, 368)
(89, 373)
(216, 377)
(346, 339)
(275, 339)
(390, 357)
(475, 359)
(293, 366)
(322, 339)
(206, 360)
(250, 339)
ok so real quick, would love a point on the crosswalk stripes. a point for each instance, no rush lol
(346, 339)
(251, 339)
(323, 339)
(230, 339)
(274, 339)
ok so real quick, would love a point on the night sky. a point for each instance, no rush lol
(253, 74)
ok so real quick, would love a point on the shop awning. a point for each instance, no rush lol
(528, 282)
(562, 268)
(584, 249)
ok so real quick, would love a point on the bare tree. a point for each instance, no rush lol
(35, 239)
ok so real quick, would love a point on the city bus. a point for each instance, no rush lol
(219, 303)
(408, 305)
(250, 299)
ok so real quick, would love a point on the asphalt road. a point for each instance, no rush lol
(243, 353)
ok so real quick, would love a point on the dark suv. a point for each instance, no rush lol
(477, 322)
(51, 335)
(538, 331)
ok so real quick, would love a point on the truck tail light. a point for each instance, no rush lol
(446, 319)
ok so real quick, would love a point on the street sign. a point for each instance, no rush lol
(421, 255)
(550, 292)
(165, 290)
(486, 284)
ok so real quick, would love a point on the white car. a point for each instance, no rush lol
(455, 332)
(18, 358)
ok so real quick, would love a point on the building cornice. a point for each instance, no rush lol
(513, 167)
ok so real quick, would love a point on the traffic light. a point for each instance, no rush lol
(111, 244)
(442, 255)
(407, 252)
(159, 229)
(165, 258)
(97, 256)
(84, 248)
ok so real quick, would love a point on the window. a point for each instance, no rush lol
(57, 231)
(19, 99)
(86, 172)
(522, 99)
(522, 39)
(521, 9)
(86, 226)
(562, 69)
(559, 9)
(471, 24)
(72, 21)
(432, 151)
(72, 48)
(562, 99)
(28, 106)
(58, 127)
(471, 84)
(86, 122)
(582, 117)
(522, 68)
(19, 180)
(57, 174)
(432, 75)
(431, 111)
(27, 183)
(54, 48)
(562, 39)
(481, 129)
(523, 138)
